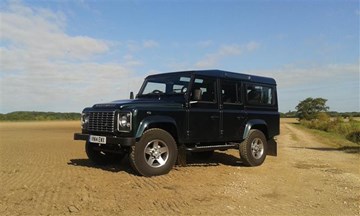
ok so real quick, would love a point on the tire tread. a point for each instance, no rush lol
(132, 155)
(244, 150)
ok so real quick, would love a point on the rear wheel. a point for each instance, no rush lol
(101, 157)
(154, 154)
(253, 149)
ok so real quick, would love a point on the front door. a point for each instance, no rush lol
(204, 113)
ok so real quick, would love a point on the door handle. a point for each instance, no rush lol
(214, 117)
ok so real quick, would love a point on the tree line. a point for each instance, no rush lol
(38, 116)
(293, 114)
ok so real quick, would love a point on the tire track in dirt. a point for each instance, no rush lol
(303, 138)
(169, 207)
(41, 189)
(148, 184)
(33, 172)
(60, 180)
(160, 193)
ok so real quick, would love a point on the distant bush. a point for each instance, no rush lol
(324, 117)
(38, 116)
(345, 115)
(354, 137)
(350, 129)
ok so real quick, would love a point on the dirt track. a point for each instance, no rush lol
(44, 172)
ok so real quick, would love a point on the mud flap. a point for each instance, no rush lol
(181, 159)
(272, 147)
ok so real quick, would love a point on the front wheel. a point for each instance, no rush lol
(155, 153)
(253, 149)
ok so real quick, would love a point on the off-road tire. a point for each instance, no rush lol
(253, 149)
(99, 157)
(142, 154)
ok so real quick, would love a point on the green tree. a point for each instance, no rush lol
(310, 108)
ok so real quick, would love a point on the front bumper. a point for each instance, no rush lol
(123, 141)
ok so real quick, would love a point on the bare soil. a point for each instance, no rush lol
(44, 172)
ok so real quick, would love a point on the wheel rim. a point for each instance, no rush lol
(156, 153)
(257, 148)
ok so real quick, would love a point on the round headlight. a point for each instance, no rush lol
(123, 121)
(84, 119)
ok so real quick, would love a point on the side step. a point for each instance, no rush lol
(200, 148)
(181, 160)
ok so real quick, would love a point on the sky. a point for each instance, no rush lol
(64, 55)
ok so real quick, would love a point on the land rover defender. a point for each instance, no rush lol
(190, 111)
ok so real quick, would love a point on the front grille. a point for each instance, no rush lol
(101, 121)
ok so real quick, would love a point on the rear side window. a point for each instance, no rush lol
(229, 93)
(259, 94)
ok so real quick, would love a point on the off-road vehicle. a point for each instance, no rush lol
(179, 112)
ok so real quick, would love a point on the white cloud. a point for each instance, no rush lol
(251, 46)
(205, 43)
(130, 61)
(135, 46)
(212, 59)
(44, 68)
(42, 32)
(150, 44)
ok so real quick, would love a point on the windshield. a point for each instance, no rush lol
(166, 84)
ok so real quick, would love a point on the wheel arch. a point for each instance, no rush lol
(163, 122)
(258, 124)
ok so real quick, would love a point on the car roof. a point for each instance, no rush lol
(224, 74)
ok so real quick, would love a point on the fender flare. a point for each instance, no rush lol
(153, 119)
(252, 123)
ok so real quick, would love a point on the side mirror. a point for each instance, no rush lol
(131, 95)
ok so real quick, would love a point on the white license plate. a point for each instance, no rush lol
(97, 139)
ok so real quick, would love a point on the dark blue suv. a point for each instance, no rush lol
(179, 112)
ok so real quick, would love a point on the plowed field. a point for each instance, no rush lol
(44, 172)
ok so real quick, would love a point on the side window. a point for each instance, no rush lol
(204, 89)
(228, 92)
(180, 86)
(259, 95)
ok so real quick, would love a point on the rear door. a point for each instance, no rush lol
(232, 110)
